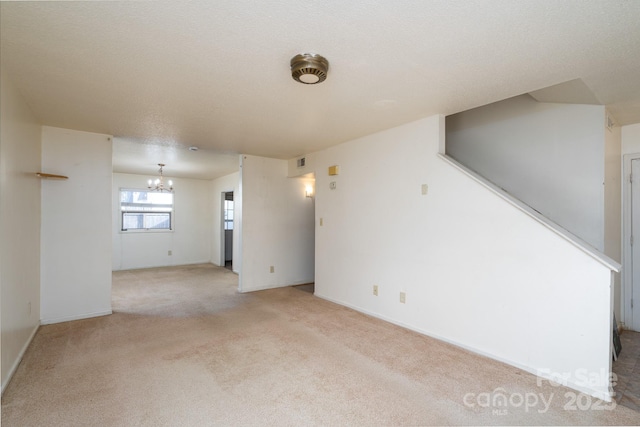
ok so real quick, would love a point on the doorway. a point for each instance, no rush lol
(634, 182)
(227, 230)
(630, 309)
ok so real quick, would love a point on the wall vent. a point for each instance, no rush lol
(301, 162)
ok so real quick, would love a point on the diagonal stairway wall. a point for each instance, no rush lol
(476, 269)
(561, 159)
(550, 156)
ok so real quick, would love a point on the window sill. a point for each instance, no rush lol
(144, 231)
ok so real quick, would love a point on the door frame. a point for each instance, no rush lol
(223, 260)
(627, 260)
(221, 228)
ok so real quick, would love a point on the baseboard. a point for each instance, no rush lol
(264, 288)
(260, 288)
(606, 396)
(15, 365)
(163, 265)
(75, 317)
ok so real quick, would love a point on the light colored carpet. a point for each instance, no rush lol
(183, 348)
(627, 369)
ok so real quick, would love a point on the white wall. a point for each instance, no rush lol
(222, 185)
(476, 270)
(550, 156)
(613, 207)
(19, 226)
(189, 242)
(308, 168)
(631, 139)
(277, 226)
(76, 225)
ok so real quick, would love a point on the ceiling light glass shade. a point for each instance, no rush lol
(308, 191)
(309, 68)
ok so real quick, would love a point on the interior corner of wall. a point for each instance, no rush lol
(442, 128)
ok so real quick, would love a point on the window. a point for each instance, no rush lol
(146, 210)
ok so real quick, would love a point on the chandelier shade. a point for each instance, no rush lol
(158, 183)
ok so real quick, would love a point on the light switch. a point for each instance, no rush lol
(425, 189)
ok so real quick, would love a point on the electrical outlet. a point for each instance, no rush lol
(272, 269)
(403, 297)
(169, 253)
(332, 185)
(375, 290)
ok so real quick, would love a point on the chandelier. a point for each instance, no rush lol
(158, 183)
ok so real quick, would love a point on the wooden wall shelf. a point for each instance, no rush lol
(50, 176)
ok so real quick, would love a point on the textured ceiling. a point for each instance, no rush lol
(216, 73)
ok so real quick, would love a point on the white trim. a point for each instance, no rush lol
(237, 195)
(223, 247)
(159, 266)
(222, 259)
(606, 396)
(627, 278)
(566, 235)
(75, 317)
(264, 288)
(15, 365)
(145, 230)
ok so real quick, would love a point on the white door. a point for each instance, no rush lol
(635, 248)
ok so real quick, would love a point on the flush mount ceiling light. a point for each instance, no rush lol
(309, 68)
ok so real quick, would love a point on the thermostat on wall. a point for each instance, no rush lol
(333, 170)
